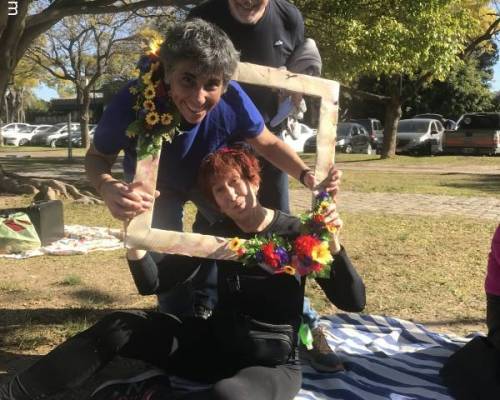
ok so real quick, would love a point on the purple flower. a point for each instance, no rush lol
(259, 256)
(283, 255)
(322, 196)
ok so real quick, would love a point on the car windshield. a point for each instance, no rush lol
(480, 121)
(343, 130)
(44, 129)
(413, 126)
(55, 128)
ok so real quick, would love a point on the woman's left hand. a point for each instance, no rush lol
(330, 184)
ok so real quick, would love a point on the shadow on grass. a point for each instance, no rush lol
(93, 296)
(482, 183)
(452, 322)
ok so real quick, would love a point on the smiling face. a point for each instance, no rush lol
(234, 195)
(193, 94)
(248, 11)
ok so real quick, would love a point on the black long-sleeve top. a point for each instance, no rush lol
(249, 290)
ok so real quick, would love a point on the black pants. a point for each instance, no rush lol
(493, 319)
(188, 349)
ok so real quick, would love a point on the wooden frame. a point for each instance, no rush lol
(139, 233)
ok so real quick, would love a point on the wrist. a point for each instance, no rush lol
(101, 183)
(303, 174)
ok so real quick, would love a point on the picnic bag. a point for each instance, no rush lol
(17, 233)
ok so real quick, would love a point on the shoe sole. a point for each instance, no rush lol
(134, 379)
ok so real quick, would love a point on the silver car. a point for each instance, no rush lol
(419, 136)
(49, 137)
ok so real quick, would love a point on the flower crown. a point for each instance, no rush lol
(157, 116)
(308, 254)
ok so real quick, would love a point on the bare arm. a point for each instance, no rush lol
(286, 159)
(123, 200)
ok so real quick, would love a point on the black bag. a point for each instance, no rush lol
(47, 218)
(267, 344)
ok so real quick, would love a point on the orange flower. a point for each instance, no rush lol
(166, 119)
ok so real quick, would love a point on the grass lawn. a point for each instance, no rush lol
(408, 161)
(429, 270)
(426, 269)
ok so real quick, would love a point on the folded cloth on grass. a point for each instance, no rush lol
(78, 239)
(386, 358)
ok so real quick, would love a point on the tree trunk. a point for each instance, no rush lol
(85, 117)
(393, 114)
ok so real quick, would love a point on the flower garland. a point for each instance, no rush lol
(157, 116)
(308, 254)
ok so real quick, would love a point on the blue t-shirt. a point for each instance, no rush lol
(234, 118)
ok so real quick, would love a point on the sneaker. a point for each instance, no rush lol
(149, 385)
(322, 358)
(200, 311)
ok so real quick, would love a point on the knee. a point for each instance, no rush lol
(231, 389)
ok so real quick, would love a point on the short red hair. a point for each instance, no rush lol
(222, 162)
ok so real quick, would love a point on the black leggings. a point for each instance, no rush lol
(493, 319)
(188, 349)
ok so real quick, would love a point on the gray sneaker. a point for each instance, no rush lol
(148, 385)
(322, 358)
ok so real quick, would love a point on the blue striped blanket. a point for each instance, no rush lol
(386, 358)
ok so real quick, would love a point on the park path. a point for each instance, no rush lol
(487, 208)
(407, 204)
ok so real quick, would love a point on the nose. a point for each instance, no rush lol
(199, 95)
(230, 192)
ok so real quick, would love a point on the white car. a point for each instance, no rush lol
(23, 136)
(419, 135)
(11, 130)
(298, 136)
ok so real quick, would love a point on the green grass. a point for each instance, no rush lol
(60, 151)
(407, 161)
(72, 280)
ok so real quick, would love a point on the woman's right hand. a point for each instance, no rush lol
(124, 200)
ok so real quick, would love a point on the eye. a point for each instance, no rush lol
(188, 80)
(212, 84)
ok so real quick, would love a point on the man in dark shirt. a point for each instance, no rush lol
(266, 32)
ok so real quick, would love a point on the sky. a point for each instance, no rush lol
(495, 83)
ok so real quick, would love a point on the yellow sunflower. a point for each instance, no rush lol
(235, 244)
(146, 78)
(321, 253)
(166, 119)
(149, 92)
(149, 105)
(152, 118)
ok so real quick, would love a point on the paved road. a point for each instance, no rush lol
(407, 204)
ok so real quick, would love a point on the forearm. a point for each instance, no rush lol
(345, 288)
(279, 154)
(98, 168)
(144, 272)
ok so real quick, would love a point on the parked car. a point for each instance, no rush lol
(447, 123)
(351, 138)
(298, 137)
(10, 130)
(374, 128)
(76, 138)
(23, 136)
(477, 133)
(57, 131)
(419, 136)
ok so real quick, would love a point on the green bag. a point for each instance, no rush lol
(17, 233)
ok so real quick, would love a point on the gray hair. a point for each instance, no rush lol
(203, 43)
